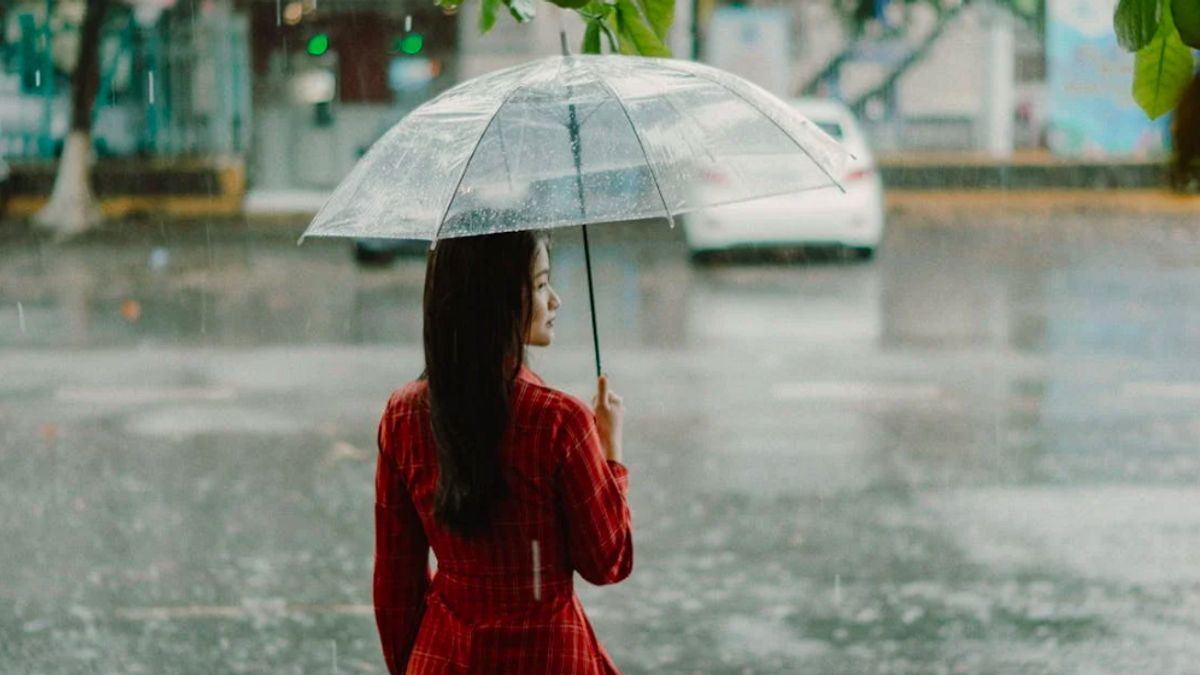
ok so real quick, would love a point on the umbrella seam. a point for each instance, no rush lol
(467, 164)
(688, 116)
(765, 114)
(641, 145)
(378, 143)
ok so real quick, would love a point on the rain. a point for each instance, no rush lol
(924, 402)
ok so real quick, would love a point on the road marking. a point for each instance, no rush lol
(854, 391)
(1186, 390)
(143, 395)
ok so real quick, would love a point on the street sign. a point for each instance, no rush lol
(1091, 112)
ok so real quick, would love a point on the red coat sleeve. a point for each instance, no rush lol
(592, 492)
(401, 558)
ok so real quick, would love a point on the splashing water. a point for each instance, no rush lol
(160, 258)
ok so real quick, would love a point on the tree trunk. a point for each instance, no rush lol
(72, 208)
(1185, 130)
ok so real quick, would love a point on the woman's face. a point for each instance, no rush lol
(545, 301)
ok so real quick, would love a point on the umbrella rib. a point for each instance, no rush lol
(772, 119)
(641, 145)
(688, 116)
(467, 164)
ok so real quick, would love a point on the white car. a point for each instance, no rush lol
(823, 216)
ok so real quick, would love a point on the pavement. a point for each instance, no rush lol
(1014, 206)
(974, 454)
(215, 187)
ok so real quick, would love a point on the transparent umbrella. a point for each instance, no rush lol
(578, 140)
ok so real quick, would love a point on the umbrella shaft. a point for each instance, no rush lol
(573, 129)
(576, 156)
(587, 256)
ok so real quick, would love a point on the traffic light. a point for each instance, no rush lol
(410, 43)
(318, 44)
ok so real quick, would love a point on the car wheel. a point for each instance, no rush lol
(364, 255)
(863, 252)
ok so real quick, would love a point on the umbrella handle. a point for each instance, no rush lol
(587, 256)
(562, 32)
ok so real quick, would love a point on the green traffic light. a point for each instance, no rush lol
(412, 43)
(318, 44)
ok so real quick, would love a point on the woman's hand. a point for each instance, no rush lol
(610, 412)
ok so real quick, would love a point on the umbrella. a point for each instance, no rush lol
(578, 140)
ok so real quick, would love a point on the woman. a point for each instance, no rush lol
(513, 484)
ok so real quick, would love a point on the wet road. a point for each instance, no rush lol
(979, 453)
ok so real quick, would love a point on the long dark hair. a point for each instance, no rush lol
(477, 312)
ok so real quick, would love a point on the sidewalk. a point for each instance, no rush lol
(1027, 170)
(266, 206)
(1037, 181)
(274, 203)
(1158, 201)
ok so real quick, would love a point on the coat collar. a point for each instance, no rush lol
(527, 375)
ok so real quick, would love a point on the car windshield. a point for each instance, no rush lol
(832, 128)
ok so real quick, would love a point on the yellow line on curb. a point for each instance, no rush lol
(1121, 201)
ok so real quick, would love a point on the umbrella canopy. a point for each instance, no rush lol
(572, 140)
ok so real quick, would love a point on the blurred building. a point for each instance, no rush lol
(294, 90)
(974, 76)
(169, 85)
(963, 75)
(330, 78)
(298, 89)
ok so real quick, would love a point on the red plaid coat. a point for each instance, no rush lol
(503, 602)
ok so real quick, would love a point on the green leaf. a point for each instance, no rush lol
(635, 35)
(487, 15)
(1186, 14)
(591, 38)
(624, 44)
(599, 8)
(522, 10)
(1162, 69)
(570, 4)
(614, 43)
(1136, 23)
(660, 14)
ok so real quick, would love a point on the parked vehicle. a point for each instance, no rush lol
(5, 186)
(825, 216)
(375, 251)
